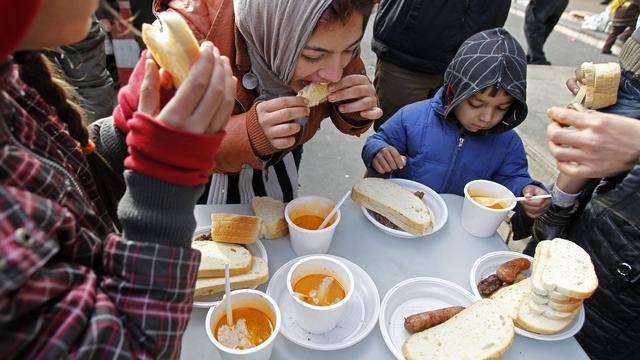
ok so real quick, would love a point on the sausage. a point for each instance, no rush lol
(489, 285)
(425, 320)
(520, 277)
(507, 272)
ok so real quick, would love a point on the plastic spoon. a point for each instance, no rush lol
(490, 201)
(334, 210)
(227, 294)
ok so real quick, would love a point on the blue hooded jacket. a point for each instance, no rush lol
(440, 154)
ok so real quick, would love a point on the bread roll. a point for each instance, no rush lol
(271, 212)
(235, 229)
(394, 202)
(173, 45)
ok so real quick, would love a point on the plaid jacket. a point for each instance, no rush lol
(69, 286)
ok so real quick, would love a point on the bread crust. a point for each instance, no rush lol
(235, 229)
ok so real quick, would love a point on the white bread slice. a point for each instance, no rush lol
(559, 306)
(548, 312)
(530, 321)
(235, 229)
(316, 93)
(214, 255)
(259, 274)
(392, 201)
(271, 212)
(481, 331)
(569, 270)
(510, 297)
(539, 262)
(173, 46)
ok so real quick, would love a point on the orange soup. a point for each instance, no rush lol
(494, 206)
(311, 222)
(251, 327)
(321, 290)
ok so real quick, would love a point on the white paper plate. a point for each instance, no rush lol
(413, 296)
(256, 249)
(360, 316)
(488, 264)
(434, 202)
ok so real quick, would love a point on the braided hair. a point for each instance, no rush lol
(40, 74)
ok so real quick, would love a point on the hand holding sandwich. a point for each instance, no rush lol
(388, 159)
(358, 94)
(276, 117)
(202, 104)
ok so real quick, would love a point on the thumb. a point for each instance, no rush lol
(150, 89)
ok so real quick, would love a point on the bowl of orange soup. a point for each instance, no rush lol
(255, 325)
(320, 286)
(304, 215)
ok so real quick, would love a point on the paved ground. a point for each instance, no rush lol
(331, 163)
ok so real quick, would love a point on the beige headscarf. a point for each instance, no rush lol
(276, 31)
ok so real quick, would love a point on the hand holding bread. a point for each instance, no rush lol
(276, 117)
(355, 94)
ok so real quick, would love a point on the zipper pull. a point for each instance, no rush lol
(460, 142)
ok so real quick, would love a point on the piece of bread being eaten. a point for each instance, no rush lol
(316, 93)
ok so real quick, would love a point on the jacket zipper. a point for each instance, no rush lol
(454, 162)
(48, 162)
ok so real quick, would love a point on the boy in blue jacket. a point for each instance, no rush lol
(466, 131)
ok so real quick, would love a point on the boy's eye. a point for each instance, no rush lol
(475, 106)
(504, 108)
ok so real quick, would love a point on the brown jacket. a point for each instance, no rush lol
(245, 143)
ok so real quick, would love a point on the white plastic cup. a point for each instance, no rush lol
(252, 299)
(304, 241)
(479, 220)
(313, 318)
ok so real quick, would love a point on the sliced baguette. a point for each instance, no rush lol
(539, 262)
(530, 321)
(214, 255)
(235, 229)
(271, 212)
(259, 274)
(392, 201)
(510, 297)
(569, 270)
(481, 331)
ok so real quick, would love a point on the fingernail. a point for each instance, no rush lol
(206, 46)
(331, 98)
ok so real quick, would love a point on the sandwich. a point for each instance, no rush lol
(172, 45)
(400, 206)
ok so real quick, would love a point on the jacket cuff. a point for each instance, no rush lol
(188, 160)
(259, 141)
(351, 123)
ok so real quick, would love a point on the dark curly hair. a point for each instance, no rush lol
(341, 10)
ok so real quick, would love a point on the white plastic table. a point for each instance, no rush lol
(447, 254)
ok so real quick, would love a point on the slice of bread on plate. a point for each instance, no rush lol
(510, 297)
(214, 255)
(548, 312)
(555, 305)
(481, 331)
(235, 229)
(271, 212)
(528, 320)
(394, 202)
(259, 274)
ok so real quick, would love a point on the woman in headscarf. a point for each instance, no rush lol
(277, 47)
